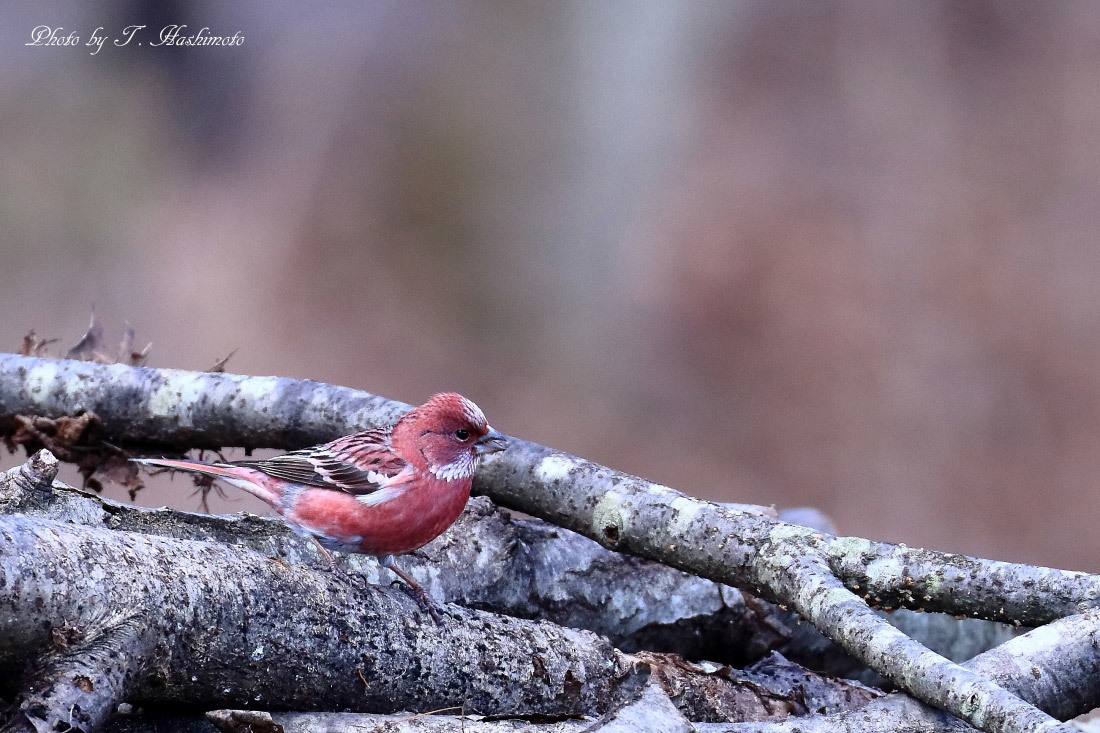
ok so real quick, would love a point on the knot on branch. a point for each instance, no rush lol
(18, 485)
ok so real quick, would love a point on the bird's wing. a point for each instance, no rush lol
(357, 464)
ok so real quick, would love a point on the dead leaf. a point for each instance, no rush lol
(90, 345)
(32, 346)
(220, 365)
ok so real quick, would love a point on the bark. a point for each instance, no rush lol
(807, 570)
(94, 616)
(528, 568)
(652, 711)
(1022, 665)
(489, 560)
(213, 623)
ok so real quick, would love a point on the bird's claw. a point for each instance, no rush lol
(425, 602)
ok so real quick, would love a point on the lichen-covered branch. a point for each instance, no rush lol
(234, 628)
(181, 410)
(1022, 665)
(651, 711)
(528, 568)
(79, 682)
(782, 562)
(1029, 666)
(895, 576)
(819, 596)
(489, 560)
(625, 513)
(95, 616)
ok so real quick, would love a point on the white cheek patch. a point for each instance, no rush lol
(462, 468)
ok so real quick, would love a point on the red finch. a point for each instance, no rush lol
(379, 492)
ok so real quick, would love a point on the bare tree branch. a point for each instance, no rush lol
(97, 616)
(489, 560)
(778, 561)
(525, 567)
(213, 623)
(1023, 665)
(652, 711)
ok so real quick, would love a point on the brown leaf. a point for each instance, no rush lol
(32, 346)
(65, 635)
(72, 430)
(63, 437)
(138, 358)
(220, 365)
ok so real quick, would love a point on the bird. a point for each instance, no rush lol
(381, 492)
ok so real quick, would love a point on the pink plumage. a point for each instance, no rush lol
(379, 492)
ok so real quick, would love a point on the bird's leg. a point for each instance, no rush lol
(327, 555)
(422, 598)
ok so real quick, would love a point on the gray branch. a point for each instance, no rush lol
(1023, 666)
(489, 560)
(233, 628)
(1031, 654)
(108, 615)
(77, 685)
(182, 409)
(652, 711)
(527, 568)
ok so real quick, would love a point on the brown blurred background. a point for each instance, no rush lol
(838, 253)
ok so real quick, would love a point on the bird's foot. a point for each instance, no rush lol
(415, 590)
(333, 566)
(427, 605)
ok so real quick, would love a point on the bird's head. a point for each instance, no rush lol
(445, 436)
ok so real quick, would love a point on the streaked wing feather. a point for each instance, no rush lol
(356, 464)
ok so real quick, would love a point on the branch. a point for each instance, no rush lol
(1030, 666)
(234, 628)
(892, 714)
(622, 512)
(652, 711)
(79, 682)
(489, 560)
(170, 409)
(526, 568)
(252, 631)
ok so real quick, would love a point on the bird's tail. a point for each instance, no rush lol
(233, 475)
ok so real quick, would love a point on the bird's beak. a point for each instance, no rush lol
(491, 442)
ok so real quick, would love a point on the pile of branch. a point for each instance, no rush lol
(190, 631)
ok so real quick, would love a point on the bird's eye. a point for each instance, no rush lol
(462, 433)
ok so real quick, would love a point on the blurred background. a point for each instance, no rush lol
(839, 253)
